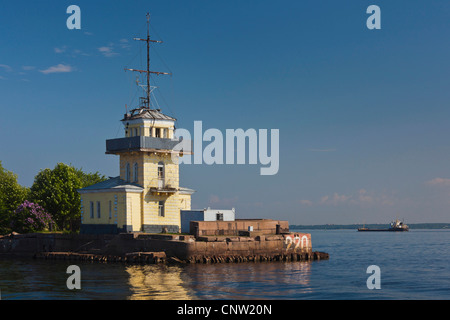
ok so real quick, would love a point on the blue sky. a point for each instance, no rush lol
(363, 114)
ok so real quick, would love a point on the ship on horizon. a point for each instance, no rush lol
(396, 225)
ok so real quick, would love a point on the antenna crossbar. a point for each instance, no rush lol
(147, 99)
(145, 71)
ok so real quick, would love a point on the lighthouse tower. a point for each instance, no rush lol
(146, 196)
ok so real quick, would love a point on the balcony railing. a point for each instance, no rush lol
(161, 185)
(151, 144)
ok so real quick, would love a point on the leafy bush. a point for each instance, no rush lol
(31, 217)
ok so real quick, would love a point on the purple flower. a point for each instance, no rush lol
(31, 217)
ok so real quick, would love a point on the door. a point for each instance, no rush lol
(160, 175)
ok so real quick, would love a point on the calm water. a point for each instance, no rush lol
(414, 265)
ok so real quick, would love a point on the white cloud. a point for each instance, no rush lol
(6, 67)
(226, 202)
(324, 199)
(60, 68)
(306, 202)
(107, 51)
(339, 198)
(61, 49)
(364, 197)
(124, 43)
(28, 68)
(334, 200)
(359, 198)
(439, 182)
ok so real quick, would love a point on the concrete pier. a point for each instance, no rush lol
(162, 248)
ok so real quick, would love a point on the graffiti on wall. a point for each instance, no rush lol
(297, 242)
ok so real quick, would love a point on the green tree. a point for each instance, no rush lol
(11, 195)
(56, 191)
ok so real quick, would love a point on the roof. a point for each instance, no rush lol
(145, 113)
(186, 190)
(112, 183)
(117, 184)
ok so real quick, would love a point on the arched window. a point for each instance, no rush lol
(127, 173)
(135, 172)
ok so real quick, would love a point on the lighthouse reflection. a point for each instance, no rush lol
(219, 281)
(158, 282)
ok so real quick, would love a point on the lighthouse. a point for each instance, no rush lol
(146, 196)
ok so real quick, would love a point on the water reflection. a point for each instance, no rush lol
(38, 279)
(158, 282)
(250, 281)
(220, 281)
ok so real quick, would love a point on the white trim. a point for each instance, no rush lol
(151, 122)
(124, 189)
(184, 191)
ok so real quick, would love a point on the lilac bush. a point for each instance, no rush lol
(30, 217)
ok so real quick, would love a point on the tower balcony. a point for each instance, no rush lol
(163, 186)
(148, 144)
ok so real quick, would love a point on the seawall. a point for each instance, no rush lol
(155, 248)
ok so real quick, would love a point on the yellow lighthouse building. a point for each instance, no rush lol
(146, 196)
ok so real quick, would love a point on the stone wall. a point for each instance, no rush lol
(217, 228)
(185, 248)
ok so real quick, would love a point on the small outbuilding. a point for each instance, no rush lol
(206, 214)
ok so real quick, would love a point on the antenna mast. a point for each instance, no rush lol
(147, 100)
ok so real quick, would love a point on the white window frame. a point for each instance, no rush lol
(161, 208)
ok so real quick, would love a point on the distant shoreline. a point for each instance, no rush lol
(441, 226)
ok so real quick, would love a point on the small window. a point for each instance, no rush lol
(135, 172)
(110, 209)
(92, 209)
(98, 209)
(161, 209)
(219, 216)
(135, 131)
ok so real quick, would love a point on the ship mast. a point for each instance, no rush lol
(147, 99)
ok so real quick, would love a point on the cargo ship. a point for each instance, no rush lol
(396, 225)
